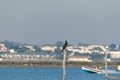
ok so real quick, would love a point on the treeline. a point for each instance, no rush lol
(57, 64)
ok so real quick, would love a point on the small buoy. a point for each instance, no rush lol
(118, 68)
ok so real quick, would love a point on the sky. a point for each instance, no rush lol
(48, 21)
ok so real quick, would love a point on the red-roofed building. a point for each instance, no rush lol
(3, 48)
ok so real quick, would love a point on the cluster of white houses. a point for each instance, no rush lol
(100, 49)
(25, 57)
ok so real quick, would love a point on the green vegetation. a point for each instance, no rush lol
(55, 64)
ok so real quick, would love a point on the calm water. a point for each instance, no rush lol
(50, 74)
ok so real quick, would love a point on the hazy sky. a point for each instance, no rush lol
(49, 21)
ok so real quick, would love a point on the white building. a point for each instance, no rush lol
(88, 49)
(115, 54)
(3, 48)
(79, 59)
(48, 48)
(30, 47)
(12, 51)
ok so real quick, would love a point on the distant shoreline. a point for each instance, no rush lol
(54, 64)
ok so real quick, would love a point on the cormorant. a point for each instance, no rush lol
(65, 45)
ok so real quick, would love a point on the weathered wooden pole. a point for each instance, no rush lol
(64, 59)
(64, 65)
(106, 69)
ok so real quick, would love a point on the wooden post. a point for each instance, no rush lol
(64, 65)
(106, 70)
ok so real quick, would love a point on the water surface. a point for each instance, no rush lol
(50, 74)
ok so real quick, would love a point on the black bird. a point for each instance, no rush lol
(65, 45)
